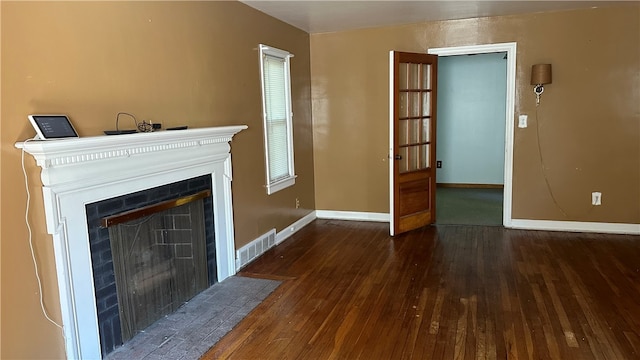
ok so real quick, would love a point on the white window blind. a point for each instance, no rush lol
(278, 134)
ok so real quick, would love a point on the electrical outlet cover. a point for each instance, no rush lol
(522, 121)
(596, 198)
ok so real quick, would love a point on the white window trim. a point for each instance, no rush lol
(282, 183)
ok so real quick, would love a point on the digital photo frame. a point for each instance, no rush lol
(52, 127)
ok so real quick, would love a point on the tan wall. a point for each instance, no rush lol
(589, 117)
(178, 63)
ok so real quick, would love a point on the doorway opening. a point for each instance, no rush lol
(483, 141)
(470, 149)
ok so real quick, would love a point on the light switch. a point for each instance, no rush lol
(522, 121)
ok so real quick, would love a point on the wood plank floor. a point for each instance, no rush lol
(449, 292)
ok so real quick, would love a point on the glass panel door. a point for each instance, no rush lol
(414, 85)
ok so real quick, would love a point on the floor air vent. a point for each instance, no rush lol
(257, 247)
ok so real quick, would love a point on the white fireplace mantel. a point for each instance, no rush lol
(79, 171)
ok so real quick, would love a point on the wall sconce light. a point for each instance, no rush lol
(540, 75)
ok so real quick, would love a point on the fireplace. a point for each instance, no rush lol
(83, 171)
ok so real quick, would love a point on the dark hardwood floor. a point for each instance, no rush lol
(350, 291)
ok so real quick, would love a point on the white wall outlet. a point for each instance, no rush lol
(297, 203)
(522, 121)
(596, 198)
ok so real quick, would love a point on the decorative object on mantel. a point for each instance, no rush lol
(140, 127)
(52, 127)
(119, 132)
(76, 172)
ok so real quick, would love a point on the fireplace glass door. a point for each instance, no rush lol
(160, 262)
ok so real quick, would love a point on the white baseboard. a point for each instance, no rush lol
(352, 215)
(575, 226)
(257, 247)
(266, 241)
(293, 228)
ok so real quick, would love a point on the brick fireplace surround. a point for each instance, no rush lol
(76, 172)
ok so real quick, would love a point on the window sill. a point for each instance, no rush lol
(281, 184)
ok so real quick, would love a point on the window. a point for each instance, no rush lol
(277, 117)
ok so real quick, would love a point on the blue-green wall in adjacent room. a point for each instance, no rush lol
(471, 118)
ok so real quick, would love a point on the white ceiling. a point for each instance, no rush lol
(331, 15)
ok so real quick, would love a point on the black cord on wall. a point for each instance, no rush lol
(544, 173)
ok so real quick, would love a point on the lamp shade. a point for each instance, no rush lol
(541, 74)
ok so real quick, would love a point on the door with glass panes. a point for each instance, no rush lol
(413, 83)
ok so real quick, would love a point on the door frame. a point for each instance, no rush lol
(510, 49)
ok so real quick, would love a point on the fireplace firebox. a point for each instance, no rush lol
(149, 235)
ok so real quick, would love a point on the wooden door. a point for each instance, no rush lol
(413, 140)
